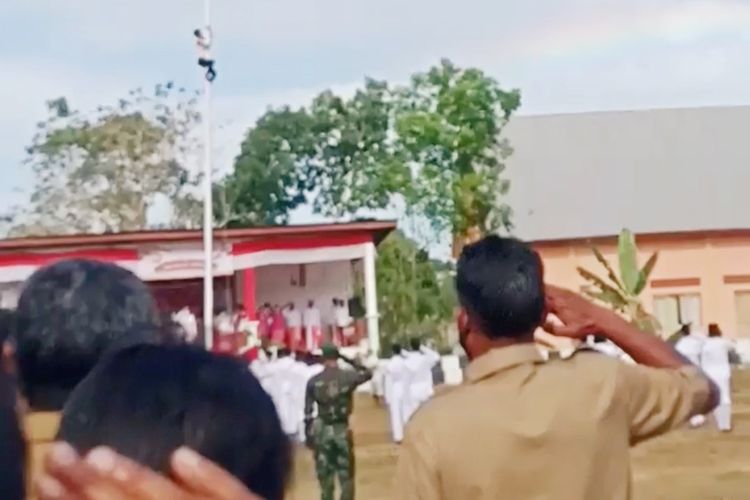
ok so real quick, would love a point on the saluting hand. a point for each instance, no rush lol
(579, 316)
(105, 475)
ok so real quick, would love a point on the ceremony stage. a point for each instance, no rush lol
(251, 266)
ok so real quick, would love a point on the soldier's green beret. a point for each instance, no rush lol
(329, 351)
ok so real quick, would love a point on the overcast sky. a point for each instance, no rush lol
(564, 55)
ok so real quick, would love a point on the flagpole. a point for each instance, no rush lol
(208, 251)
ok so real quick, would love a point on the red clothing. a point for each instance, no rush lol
(264, 323)
(278, 328)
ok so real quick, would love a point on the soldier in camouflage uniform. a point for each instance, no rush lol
(328, 434)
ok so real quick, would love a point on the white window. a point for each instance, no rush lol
(672, 311)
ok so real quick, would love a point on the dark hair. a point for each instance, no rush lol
(685, 329)
(148, 400)
(500, 283)
(396, 349)
(7, 324)
(13, 456)
(714, 330)
(70, 314)
(197, 33)
(415, 344)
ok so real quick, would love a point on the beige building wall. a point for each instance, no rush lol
(713, 265)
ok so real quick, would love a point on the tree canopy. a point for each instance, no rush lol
(415, 295)
(101, 172)
(436, 143)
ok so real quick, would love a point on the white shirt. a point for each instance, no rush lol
(420, 365)
(715, 356)
(691, 346)
(397, 377)
(203, 43)
(341, 316)
(293, 318)
(311, 317)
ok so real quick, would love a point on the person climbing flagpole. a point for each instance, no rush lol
(203, 41)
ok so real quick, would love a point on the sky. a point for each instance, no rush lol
(564, 55)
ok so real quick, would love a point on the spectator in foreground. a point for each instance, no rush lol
(521, 427)
(69, 315)
(147, 401)
(13, 454)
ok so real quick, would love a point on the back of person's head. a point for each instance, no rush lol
(146, 401)
(685, 329)
(396, 349)
(415, 344)
(500, 284)
(7, 324)
(69, 315)
(13, 454)
(714, 330)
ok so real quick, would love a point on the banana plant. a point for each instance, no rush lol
(621, 291)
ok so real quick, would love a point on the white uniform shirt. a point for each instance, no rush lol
(283, 392)
(341, 316)
(715, 356)
(420, 370)
(397, 378)
(691, 347)
(293, 318)
(311, 317)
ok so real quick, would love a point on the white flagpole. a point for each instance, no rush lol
(208, 251)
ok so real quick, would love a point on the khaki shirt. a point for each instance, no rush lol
(525, 428)
(41, 429)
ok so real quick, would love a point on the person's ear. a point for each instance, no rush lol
(462, 321)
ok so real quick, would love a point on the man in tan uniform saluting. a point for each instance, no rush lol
(524, 428)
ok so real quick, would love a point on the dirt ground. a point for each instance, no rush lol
(684, 465)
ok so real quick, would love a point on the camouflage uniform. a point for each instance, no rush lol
(329, 433)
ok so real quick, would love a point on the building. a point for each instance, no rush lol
(678, 178)
(251, 266)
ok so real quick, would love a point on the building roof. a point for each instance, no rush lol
(653, 171)
(379, 230)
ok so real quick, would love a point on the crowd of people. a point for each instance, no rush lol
(303, 330)
(111, 405)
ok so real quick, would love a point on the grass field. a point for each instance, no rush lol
(684, 465)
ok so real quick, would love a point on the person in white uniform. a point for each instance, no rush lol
(396, 392)
(690, 345)
(420, 362)
(293, 318)
(313, 327)
(284, 379)
(715, 364)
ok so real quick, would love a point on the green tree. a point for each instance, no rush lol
(268, 180)
(354, 164)
(415, 295)
(101, 172)
(621, 291)
(449, 125)
(435, 143)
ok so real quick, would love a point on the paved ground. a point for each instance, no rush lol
(684, 465)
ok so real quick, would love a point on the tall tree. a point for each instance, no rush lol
(449, 124)
(415, 295)
(355, 163)
(268, 180)
(101, 172)
(436, 143)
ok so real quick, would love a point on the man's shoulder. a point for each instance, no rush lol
(587, 358)
(449, 401)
